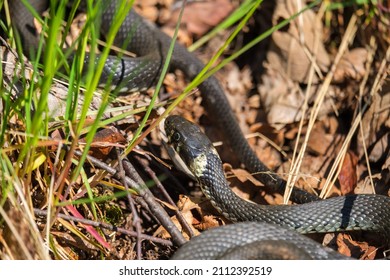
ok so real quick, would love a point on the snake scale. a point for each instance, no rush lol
(356, 212)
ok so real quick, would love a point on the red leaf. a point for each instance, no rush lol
(347, 177)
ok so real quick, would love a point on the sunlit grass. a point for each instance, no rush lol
(32, 161)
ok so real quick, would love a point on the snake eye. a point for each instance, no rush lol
(175, 137)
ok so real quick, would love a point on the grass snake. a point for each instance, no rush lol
(356, 212)
(344, 213)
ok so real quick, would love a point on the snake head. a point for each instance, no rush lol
(191, 144)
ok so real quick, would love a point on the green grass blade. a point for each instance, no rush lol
(157, 89)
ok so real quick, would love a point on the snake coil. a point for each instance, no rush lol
(358, 212)
(344, 213)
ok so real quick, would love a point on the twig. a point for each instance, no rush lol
(43, 213)
(160, 186)
(136, 219)
(155, 208)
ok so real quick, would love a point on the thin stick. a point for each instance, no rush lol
(43, 213)
(155, 208)
(136, 218)
(161, 187)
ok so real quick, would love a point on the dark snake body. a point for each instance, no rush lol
(250, 240)
(343, 213)
(368, 212)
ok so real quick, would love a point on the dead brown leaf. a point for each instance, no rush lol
(193, 212)
(347, 176)
(376, 126)
(76, 29)
(104, 141)
(208, 221)
(351, 65)
(351, 248)
(186, 206)
(242, 175)
(154, 10)
(200, 17)
(294, 45)
(320, 140)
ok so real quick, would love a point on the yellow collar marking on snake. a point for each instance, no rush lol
(199, 165)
